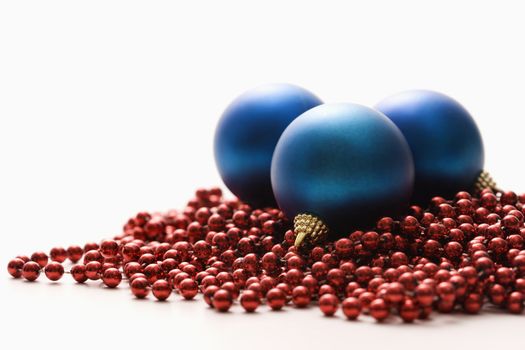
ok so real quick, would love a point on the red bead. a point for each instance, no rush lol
(92, 255)
(301, 296)
(40, 258)
(161, 289)
(379, 310)
(222, 300)
(250, 300)
(343, 247)
(58, 254)
(230, 287)
(14, 267)
(328, 303)
(130, 252)
(140, 287)
(515, 302)
(216, 222)
(79, 273)
(336, 278)
(108, 248)
(111, 277)
(202, 250)
(54, 271)
(319, 270)
(409, 280)
(395, 293)
(520, 285)
(208, 294)
(93, 270)
(276, 298)
(74, 253)
(446, 291)
(188, 288)
(424, 294)
(31, 271)
(473, 303)
(351, 308)
(153, 272)
(408, 310)
(398, 259)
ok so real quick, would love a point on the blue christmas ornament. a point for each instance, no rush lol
(338, 167)
(445, 142)
(248, 132)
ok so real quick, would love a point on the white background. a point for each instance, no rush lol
(109, 107)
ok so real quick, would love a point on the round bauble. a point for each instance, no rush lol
(338, 167)
(445, 142)
(248, 132)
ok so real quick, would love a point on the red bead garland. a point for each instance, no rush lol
(457, 254)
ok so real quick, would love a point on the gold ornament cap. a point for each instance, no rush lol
(484, 181)
(309, 229)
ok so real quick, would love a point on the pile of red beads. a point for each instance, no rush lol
(456, 255)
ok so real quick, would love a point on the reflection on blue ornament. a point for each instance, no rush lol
(248, 132)
(344, 163)
(445, 141)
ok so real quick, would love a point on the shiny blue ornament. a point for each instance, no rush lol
(345, 164)
(248, 132)
(445, 141)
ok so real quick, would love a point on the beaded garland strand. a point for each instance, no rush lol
(457, 254)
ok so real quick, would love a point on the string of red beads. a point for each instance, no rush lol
(456, 254)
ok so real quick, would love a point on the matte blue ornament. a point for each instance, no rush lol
(445, 141)
(248, 132)
(338, 167)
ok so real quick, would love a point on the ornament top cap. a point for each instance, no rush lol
(484, 181)
(310, 230)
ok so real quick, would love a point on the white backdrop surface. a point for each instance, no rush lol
(109, 107)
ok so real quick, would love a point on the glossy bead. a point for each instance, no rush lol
(247, 133)
(276, 298)
(14, 267)
(202, 249)
(58, 254)
(515, 302)
(74, 253)
(111, 277)
(153, 272)
(161, 289)
(230, 287)
(188, 288)
(351, 308)
(108, 248)
(31, 270)
(408, 310)
(520, 285)
(208, 294)
(250, 300)
(445, 141)
(40, 258)
(222, 300)
(301, 296)
(328, 303)
(78, 272)
(473, 303)
(379, 310)
(54, 271)
(93, 269)
(140, 287)
(424, 294)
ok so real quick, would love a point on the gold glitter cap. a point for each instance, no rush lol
(484, 181)
(309, 229)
